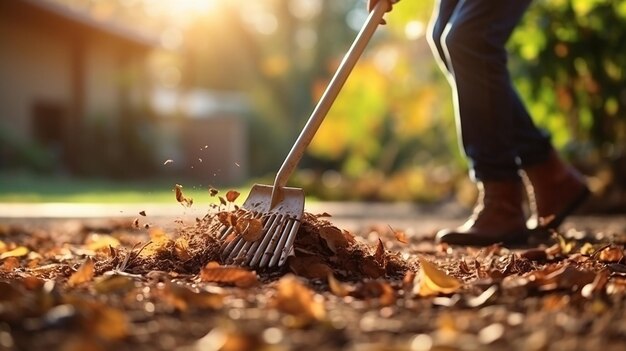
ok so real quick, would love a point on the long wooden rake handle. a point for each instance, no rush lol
(327, 99)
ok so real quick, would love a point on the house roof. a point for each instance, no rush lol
(82, 18)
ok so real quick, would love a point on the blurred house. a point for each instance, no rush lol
(60, 66)
(78, 85)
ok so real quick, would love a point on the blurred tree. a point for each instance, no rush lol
(572, 72)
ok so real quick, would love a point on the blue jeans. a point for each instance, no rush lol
(468, 39)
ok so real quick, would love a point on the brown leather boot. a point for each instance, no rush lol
(498, 217)
(557, 189)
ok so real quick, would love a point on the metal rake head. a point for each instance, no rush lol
(280, 225)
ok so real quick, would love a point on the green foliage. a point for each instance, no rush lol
(572, 72)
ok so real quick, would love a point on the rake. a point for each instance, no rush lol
(280, 208)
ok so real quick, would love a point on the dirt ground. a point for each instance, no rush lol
(143, 284)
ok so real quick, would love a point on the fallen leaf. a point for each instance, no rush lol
(83, 274)
(181, 249)
(142, 213)
(181, 198)
(371, 267)
(296, 299)
(228, 219)
(213, 191)
(237, 276)
(19, 251)
(611, 254)
(10, 263)
(250, 229)
(97, 242)
(433, 281)
(379, 254)
(336, 287)
(334, 238)
(111, 283)
(232, 195)
(597, 285)
(183, 298)
(311, 267)
(376, 289)
(400, 236)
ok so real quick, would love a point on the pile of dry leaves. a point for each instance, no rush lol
(127, 286)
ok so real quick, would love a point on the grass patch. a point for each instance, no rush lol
(25, 187)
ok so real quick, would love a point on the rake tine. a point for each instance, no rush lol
(234, 252)
(290, 240)
(267, 228)
(247, 248)
(225, 230)
(275, 251)
(276, 238)
(267, 241)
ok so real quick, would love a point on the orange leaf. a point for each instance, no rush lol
(232, 195)
(181, 248)
(295, 298)
(336, 287)
(400, 236)
(251, 229)
(227, 218)
(228, 275)
(182, 298)
(83, 274)
(611, 254)
(10, 264)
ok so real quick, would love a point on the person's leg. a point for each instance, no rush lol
(442, 12)
(486, 110)
(486, 104)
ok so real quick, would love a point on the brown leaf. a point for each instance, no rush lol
(142, 213)
(311, 267)
(112, 283)
(181, 249)
(19, 251)
(83, 274)
(371, 267)
(250, 229)
(181, 198)
(535, 254)
(232, 195)
(334, 238)
(228, 219)
(237, 276)
(433, 281)
(597, 285)
(611, 254)
(183, 298)
(10, 264)
(376, 289)
(379, 255)
(336, 287)
(296, 299)
(213, 191)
